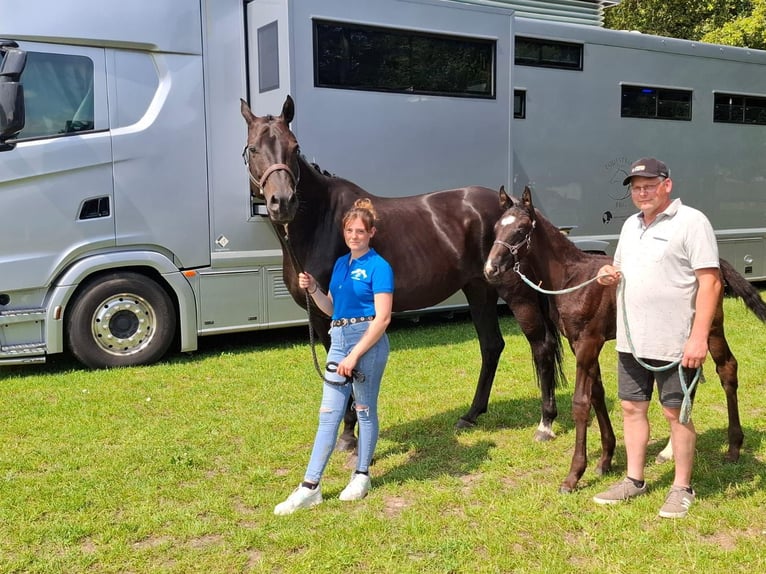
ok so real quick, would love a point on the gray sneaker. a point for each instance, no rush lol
(623, 490)
(301, 497)
(677, 503)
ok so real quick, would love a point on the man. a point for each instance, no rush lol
(667, 260)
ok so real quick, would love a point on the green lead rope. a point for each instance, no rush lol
(686, 404)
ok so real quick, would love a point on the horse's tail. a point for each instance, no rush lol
(553, 343)
(743, 289)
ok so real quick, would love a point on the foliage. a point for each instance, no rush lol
(731, 22)
(744, 30)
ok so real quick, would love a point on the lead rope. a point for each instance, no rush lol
(686, 404)
(285, 241)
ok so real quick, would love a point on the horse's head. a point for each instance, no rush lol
(513, 232)
(271, 156)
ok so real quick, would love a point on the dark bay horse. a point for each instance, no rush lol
(436, 244)
(587, 317)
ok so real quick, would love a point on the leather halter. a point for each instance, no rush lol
(271, 169)
(514, 249)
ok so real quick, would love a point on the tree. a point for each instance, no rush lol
(732, 22)
(746, 30)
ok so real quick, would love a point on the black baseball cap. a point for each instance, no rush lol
(647, 167)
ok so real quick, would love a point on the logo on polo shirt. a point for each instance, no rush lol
(358, 274)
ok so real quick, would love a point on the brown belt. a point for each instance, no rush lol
(351, 321)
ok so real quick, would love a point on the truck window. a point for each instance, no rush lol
(58, 95)
(357, 57)
(656, 103)
(547, 54)
(739, 109)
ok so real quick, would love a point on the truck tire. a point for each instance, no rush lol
(119, 320)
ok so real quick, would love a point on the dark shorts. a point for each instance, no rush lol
(636, 383)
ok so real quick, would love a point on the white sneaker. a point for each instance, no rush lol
(357, 489)
(301, 497)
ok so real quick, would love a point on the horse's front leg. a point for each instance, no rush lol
(482, 304)
(580, 413)
(533, 317)
(608, 440)
(588, 391)
(347, 439)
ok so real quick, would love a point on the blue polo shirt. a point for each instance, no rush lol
(355, 282)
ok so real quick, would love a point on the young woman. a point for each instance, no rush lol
(359, 301)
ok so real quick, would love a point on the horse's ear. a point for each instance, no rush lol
(526, 199)
(288, 110)
(246, 112)
(505, 200)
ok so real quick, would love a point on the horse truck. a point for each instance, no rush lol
(127, 225)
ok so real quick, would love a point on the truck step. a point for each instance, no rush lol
(21, 316)
(23, 354)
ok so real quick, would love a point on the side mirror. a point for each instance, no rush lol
(11, 92)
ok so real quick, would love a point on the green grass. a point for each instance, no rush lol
(177, 467)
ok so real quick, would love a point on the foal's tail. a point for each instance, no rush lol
(743, 289)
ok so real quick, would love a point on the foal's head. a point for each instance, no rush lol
(271, 156)
(513, 232)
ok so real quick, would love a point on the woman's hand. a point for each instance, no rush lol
(306, 281)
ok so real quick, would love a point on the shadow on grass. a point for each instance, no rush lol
(713, 474)
(432, 447)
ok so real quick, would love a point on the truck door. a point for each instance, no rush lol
(56, 182)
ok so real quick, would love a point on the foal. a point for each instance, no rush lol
(587, 317)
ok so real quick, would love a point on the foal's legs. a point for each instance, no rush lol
(726, 367)
(532, 314)
(589, 391)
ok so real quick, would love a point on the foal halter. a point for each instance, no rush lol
(271, 169)
(514, 249)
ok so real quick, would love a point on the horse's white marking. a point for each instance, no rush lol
(508, 220)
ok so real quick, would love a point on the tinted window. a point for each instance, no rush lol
(58, 94)
(519, 104)
(547, 53)
(388, 60)
(658, 103)
(738, 109)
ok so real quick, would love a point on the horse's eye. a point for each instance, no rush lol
(252, 149)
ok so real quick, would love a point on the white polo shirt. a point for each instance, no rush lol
(660, 288)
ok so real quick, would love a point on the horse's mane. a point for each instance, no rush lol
(565, 247)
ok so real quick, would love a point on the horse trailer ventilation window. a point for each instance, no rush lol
(657, 103)
(268, 57)
(519, 104)
(357, 57)
(547, 54)
(739, 109)
(58, 95)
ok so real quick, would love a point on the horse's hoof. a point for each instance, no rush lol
(544, 436)
(602, 470)
(345, 444)
(462, 424)
(564, 489)
(661, 459)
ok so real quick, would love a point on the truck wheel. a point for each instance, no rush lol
(119, 320)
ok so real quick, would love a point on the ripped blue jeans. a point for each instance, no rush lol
(335, 398)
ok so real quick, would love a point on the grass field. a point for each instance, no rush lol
(177, 467)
